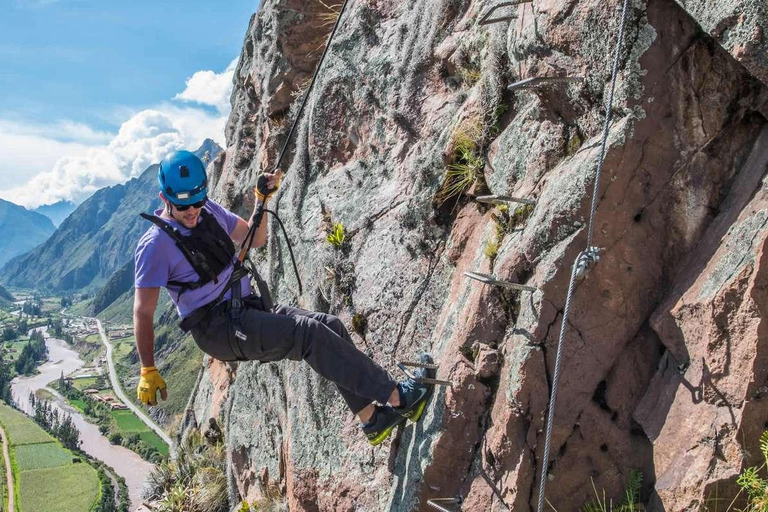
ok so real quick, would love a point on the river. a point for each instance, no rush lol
(126, 463)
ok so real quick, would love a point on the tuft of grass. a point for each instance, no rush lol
(470, 76)
(330, 12)
(466, 163)
(336, 236)
(194, 482)
(629, 501)
(491, 249)
(272, 501)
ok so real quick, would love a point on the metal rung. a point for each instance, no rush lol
(453, 501)
(504, 199)
(420, 365)
(484, 20)
(540, 81)
(424, 380)
(483, 278)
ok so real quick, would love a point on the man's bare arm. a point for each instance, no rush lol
(144, 305)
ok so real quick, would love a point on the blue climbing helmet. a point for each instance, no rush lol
(182, 178)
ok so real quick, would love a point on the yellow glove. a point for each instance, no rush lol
(149, 384)
(262, 189)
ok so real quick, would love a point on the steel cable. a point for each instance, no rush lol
(583, 261)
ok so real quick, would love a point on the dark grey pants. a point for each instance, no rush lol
(292, 333)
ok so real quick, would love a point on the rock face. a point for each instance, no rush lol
(740, 26)
(665, 352)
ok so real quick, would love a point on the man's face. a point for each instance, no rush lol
(187, 218)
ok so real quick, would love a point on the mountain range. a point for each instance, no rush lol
(21, 230)
(57, 212)
(94, 241)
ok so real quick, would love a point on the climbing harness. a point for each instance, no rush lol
(208, 248)
(435, 503)
(496, 200)
(541, 81)
(486, 19)
(484, 278)
(583, 262)
(261, 183)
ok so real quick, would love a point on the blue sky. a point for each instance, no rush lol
(78, 76)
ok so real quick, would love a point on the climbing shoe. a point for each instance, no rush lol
(383, 421)
(414, 395)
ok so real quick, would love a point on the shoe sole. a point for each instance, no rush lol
(381, 436)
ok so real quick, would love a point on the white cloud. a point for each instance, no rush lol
(210, 88)
(62, 131)
(70, 161)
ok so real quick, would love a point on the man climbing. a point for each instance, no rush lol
(190, 251)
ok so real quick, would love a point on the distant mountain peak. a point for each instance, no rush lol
(57, 212)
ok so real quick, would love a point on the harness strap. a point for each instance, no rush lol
(195, 259)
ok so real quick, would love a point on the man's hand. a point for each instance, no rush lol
(273, 183)
(149, 384)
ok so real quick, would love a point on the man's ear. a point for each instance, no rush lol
(162, 197)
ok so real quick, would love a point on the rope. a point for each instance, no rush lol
(257, 215)
(309, 89)
(584, 260)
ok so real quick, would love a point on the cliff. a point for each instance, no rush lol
(665, 352)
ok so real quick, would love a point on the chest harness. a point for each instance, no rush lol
(209, 250)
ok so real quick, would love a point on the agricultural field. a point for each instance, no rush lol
(20, 428)
(41, 456)
(72, 488)
(127, 423)
(93, 338)
(47, 476)
(84, 383)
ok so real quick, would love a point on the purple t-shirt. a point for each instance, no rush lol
(158, 261)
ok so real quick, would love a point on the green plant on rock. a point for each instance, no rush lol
(194, 482)
(496, 116)
(470, 76)
(466, 162)
(359, 324)
(491, 249)
(336, 236)
(629, 501)
(753, 484)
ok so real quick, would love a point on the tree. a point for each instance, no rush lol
(10, 334)
(100, 382)
(68, 433)
(116, 438)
